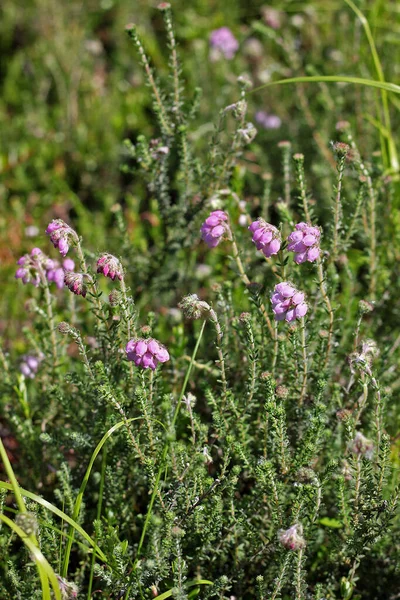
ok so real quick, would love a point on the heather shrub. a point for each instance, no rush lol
(204, 402)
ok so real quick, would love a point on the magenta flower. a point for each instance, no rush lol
(292, 538)
(109, 266)
(61, 235)
(75, 283)
(56, 273)
(304, 242)
(223, 42)
(267, 121)
(30, 364)
(146, 353)
(266, 237)
(288, 303)
(214, 228)
(29, 265)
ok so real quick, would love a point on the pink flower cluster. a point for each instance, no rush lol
(61, 235)
(110, 266)
(146, 353)
(214, 228)
(27, 270)
(266, 237)
(55, 273)
(288, 303)
(304, 242)
(30, 364)
(75, 282)
(223, 42)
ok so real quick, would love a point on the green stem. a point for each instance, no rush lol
(163, 466)
(305, 366)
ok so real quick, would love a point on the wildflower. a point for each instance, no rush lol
(75, 283)
(214, 227)
(292, 538)
(248, 133)
(288, 303)
(61, 235)
(304, 242)
(193, 307)
(223, 43)
(68, 590)
(361, 446)
(55, 272)
(30, 364)
(29, 265)
(146, 353)
(272, 17)
(365, 307)
(266, 237)
(109, 266)
(267, 121)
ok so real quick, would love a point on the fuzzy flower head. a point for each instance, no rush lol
(193, 307)
(75, 282)
(30, 364)
(292, 538)
(55, 272)
(288, 303)
(61, 235)
(146, 353)
(68, 590)
(304, 241)
(29, 266)
(223, 43)
(214, 228)
(110, 266)
(361, 446)
(266, 237)
(267, 121)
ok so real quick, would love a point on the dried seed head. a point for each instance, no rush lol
(292, 538)
(361, 446)
(64, 327)
(193, 307)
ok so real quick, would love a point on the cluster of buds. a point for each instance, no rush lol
(29, 266)
(30, 364)
(110, 266)
(361, 446)
(146, 353)
(288, 303)
(55, 272)
(223, 43)
(292, 538)
(75, 282)
(193, 307)
(61, 235)
(266, 237)
(214, 228)
(304, 242)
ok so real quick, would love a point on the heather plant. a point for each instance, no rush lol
(209, 410)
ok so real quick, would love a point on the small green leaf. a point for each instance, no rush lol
(331, 523)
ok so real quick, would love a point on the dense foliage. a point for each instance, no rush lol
(200, 387)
